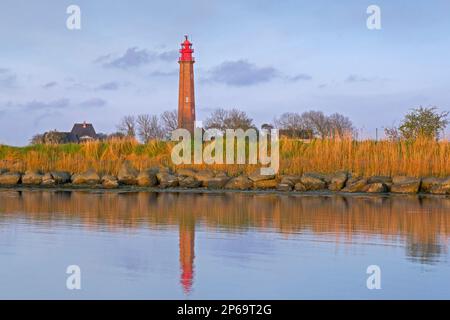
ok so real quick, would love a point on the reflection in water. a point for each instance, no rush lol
(422, 223)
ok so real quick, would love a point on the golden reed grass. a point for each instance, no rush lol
(421, 157)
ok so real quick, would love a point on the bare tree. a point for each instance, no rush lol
(340, 126)
(127, 126)
(290, 121)
(37, 139)
(148, 127)
(318, 122)
(216, 119)
(169, 121)
(229, 119)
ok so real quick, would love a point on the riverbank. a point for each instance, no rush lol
(165, 179)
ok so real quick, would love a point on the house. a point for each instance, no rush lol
(82, 132)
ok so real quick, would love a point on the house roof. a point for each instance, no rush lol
(83, 130)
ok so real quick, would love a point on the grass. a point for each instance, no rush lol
(421, 157)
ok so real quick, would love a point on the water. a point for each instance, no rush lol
(234, 245)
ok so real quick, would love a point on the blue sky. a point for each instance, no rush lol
(265, 57)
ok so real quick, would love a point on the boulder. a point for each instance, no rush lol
(313, 181)
(188, 182)
(127, 174)
(147, 178)
(442, 188)
(265, 184)
(403, 184)
(48, 180)
(284, 187)
(90, 177)
(32, 177)
(338, 181)
(203, 175)
(10, 178)
(355, 184)
(256, 176)
(110, 182)
(300, 187)
(186, 172)
(387, 181)
(239, 183)
(376, 187)
(60, 177)
(290, 179)
(216, 182)
(429, 183)
(3, 170)
(167, 180)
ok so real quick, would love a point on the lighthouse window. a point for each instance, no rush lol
(187, 99)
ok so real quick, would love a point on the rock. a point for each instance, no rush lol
(338, 181)
(376, 187)
(442, 188)
(60, 177)
(402, 184)
(188, 182)
(3, 170)
(186, 172)
(387, 181)
(239, 183)
(10, 178)
(216, 182)
(110, 182)
(47, 180)
(32, 177)
(313, 181)
(90, 177)
(167, 180)
(256, 176)
(127, 174)
(292, 180)
(300, 187)
(355, 184)
(147, 178)
(430, 183)
(203, 175)
(284, 187)
(265, 184)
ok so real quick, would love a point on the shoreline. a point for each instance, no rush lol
(132, 189)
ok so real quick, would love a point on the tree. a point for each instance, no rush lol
(423, 122)
(318, 122)
(290, 121)
(148, 127)
(37, 139)
(127, 126)
(169, 121)
(340, 126)
(229, 119)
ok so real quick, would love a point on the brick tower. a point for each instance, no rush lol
(186, 98)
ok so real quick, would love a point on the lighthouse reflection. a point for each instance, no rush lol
(419, 226)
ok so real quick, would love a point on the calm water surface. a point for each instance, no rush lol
(233, 245)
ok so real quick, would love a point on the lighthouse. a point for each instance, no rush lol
(186, 98)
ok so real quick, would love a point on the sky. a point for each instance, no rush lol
(265, 57)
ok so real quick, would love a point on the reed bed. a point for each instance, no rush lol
(421, 157)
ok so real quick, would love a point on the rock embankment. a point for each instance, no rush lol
(161, 177)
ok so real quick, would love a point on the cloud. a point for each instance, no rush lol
(135, 57)
(50, 84)
(356, 78)
(300, 77)
(39, 105)
(241, 73)
(7, 78)
(93, 102)
(112, 86)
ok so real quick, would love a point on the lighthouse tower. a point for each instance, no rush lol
(186, 98)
